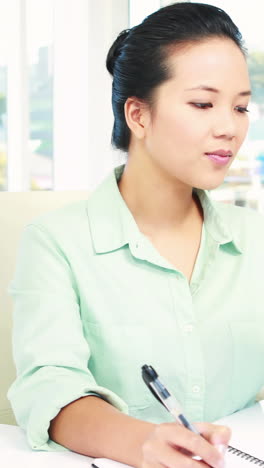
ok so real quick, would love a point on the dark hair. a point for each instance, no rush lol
(138, 57)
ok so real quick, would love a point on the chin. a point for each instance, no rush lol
(210, 185)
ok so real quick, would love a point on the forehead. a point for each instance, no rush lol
(215, 61)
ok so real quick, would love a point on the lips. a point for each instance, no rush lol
(220, 152)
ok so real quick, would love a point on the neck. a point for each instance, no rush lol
(156, 200)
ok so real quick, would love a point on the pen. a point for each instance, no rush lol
(162, 394)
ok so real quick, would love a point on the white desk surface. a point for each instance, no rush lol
(16, 453)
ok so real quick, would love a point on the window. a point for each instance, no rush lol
(55, 92)
(25, 95)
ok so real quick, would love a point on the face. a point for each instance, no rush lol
(200, 116)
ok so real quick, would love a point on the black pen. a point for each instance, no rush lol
(162, 394)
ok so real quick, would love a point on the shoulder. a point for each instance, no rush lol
(82, 222)
(239, 214)
(64, 226)
(61, 217)
(245, 223)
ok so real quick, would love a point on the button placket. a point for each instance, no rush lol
(196, 389)
(191, 346)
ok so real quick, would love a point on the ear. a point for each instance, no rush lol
(137, 116)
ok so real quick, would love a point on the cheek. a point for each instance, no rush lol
(245, 128)
(242, 130)
(178, 128)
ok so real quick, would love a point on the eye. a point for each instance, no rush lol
(202, 105)
(242, 110)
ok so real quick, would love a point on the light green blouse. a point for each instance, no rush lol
(94, 301)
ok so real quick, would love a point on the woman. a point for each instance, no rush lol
(149, 270)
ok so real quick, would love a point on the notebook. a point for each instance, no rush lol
(246, 446)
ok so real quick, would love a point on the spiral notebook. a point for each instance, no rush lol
(246, 446)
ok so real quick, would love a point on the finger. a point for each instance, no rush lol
(179, 436)
(170, 457)
(216, 434)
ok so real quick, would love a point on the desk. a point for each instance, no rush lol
(15, 452)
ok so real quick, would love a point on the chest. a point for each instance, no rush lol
(138, 313)
(180, 250)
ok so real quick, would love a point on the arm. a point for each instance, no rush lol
(129, 440)
(115, 435)
(49, 348)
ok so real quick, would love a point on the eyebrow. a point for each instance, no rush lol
(214, 90)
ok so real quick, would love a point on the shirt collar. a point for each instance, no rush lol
(217, 223)
(113, 226)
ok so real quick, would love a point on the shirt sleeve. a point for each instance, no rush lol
(50, 351)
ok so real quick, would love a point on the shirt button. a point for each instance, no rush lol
(196, 389)
(188, 328)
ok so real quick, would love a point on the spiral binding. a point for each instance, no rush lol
(245, 456)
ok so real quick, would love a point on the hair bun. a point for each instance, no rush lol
(115, 50)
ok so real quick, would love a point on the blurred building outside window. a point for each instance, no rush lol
(39, 29)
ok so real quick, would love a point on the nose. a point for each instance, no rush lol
(225, 124)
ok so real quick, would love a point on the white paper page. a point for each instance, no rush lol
(247, 436)
(233, 461)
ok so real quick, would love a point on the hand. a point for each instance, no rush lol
(172, 445)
